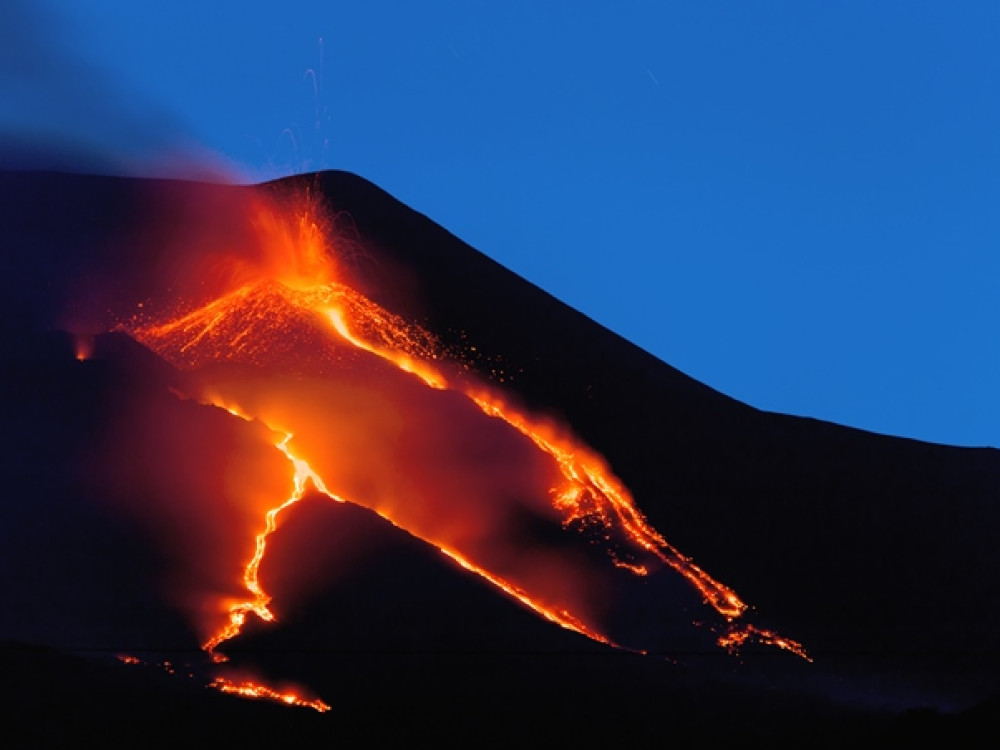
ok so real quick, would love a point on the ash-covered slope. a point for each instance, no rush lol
(877, 553)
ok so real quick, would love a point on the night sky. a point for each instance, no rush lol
(794, 202)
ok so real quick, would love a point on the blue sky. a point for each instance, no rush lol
(797, 203)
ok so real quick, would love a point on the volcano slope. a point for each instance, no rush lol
(876, 553)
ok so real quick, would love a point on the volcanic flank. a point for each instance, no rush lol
(295, 365)
(424, 461)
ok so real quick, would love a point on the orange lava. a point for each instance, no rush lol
(260, 321)
(560, 617)
(743, 634)
(594, 494)
(259, 599)
(248, 689)
(84, 347)
(244, 688)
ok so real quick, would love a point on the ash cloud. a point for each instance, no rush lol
(61, 111)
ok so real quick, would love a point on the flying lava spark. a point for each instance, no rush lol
(368, 408)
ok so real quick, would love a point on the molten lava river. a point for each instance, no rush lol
(316, 389)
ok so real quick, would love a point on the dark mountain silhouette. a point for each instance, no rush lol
(878, 553)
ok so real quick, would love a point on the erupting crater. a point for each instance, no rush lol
(368, 408)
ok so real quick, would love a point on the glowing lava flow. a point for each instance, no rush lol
(249, 689)
(592, 494)
(739, 636)
(244, 688)
(260, 600)
(560, 617)
(251, 324)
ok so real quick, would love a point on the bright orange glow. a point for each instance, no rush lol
(289, 313)
(244, 688)
(594, 494)
(395, 348)
(248, 689)
(259, 600)
(84, 347)
(299, 254)
(559, 616)
(739, 636)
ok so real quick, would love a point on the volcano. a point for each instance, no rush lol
(299, 443)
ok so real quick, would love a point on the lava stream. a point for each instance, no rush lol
(260, 599)
(582, 469)
(560, 617)
(299, 314)
(258, 603)
(587, 478)
(249, 689)
(739, 635)
(244, 688)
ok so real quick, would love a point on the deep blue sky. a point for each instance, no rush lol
(797, 202)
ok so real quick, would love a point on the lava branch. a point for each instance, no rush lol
(244, 688)
(559, 616)
(260, 599)
(739, 635)
(582, 471)
(258, 603)
(585, 476)
(249, 689)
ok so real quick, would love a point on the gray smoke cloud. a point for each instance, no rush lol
(60, 111)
